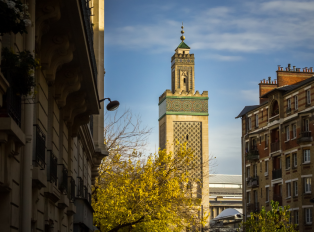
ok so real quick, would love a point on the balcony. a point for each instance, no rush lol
(278, 198)
(253, 207)
(277, 174)
(52, 168)
(305, 137)
(275, 146)
(39, 147)
(253, 182)
(252, 155)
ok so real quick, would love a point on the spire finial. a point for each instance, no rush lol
(182, 32)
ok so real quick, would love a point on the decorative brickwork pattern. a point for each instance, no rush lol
(187, 105)
(191, 132)
(183, 68)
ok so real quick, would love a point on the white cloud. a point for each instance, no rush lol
(252, 27)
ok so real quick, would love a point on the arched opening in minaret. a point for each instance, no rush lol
(184, 80)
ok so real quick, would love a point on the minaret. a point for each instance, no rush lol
(182, 67)
(183, 116)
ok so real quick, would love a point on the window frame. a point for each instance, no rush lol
(250, 123)
(296, 217)
(295, 188)
(288, 189)
(266, 166)
(294, 130)
(295, 159)
(296, 102)
(288, 163)
(289, 103)
(267, 194)
(287, 131)
(308, 96)
(308, 215)
(306, 156)
(307, 186)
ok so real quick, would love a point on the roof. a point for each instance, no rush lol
(183, 45)
(225, 179)
(229, 213)
(247, 109)
(289, 88)
(225, 191)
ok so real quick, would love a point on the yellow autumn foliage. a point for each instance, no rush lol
(146, 196)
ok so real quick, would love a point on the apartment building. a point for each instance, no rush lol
(51, 137)
(277, 145)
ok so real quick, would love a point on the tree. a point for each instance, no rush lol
(147, 196)
(277, 219)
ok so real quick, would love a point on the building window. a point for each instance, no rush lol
(287, 133)
(266, 140)
(266, 166)
(294, 131)
(288, 162)
(307, 185)
(295, 102)
(267, 194)
(248, 171)
(295, 160)
(308, 215)
(306, 156)
(255, 170)
(256, 120)
(289, 103)
(295, 188)
(250, 124)
(288, 185)
(306, 125)
(296, 217)
(308, 97)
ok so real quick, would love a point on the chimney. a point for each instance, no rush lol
(311, 69)
(275, 81)
(278, 67)
(305, 69)
(294, 68)
(289, 67)
(269, 79)
(264, 80)
(281, 68)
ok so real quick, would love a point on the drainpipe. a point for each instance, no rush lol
(28, 129)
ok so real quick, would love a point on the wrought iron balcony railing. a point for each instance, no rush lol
(277, 174)
(288, 110)
(275, 146)
(86, 12)
(305, 136)
(11, 103)
(71, 191)
(52, 168)
(39, 155)
(253, 182)
(252, 155)
(63, 186)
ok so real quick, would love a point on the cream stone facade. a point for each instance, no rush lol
(183, 116)
(52, 142)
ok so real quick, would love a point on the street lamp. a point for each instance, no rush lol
(112, 105)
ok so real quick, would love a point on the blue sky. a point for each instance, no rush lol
(236, 44)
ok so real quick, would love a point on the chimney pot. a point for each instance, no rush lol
(278, 67)
(293, 68)
(281, 68)
(289, 65)
(269, 79)
(311, 69)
